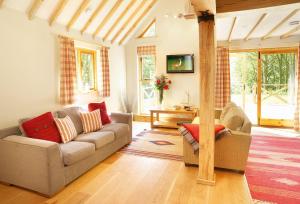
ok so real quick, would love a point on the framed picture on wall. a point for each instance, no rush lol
(180, 63)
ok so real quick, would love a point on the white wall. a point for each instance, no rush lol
(29, 69)
(174, 36)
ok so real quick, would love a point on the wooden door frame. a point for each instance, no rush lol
(268, 121)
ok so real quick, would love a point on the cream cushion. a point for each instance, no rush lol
(226, 109)
(233, 119)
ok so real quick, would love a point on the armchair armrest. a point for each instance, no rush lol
(32, 163)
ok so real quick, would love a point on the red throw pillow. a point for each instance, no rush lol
(194, 129)
(105, 119)
(42, 127)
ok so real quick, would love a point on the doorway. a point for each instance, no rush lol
(263, 84)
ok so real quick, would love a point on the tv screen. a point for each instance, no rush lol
(180, 63)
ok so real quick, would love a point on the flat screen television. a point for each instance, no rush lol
(180, 63)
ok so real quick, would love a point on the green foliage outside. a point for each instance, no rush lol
(278, 72)
(87, 70)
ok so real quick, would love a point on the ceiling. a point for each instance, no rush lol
(116, 20)
(264, 23)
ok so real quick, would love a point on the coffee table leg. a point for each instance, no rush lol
(157, 116)
(151, 119)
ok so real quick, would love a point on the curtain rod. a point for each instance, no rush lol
(77, 39)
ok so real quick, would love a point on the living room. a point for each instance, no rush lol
(123, 84)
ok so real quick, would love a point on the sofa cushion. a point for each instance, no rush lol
(98, 138)
(42, 127)
(103, 111)
(75, 151)
(66, 129)
(91, 121)
(73, 113)
(120, 129)
(234, 118)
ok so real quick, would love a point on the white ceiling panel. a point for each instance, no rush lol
(68, 12)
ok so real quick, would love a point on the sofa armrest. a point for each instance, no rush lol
(32, 163)
(126, 118)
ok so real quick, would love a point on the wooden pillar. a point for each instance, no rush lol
(207, 42)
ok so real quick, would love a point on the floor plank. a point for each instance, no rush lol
(124, 178)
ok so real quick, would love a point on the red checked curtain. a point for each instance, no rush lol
(222, 81)
(105, 72)
(297, 111)
(146, 50)
(67, 70)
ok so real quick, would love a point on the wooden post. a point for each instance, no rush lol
(207, 42)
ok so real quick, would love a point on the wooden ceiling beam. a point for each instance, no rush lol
(138, 20)
(290, 33)
(255, 26)
(57, 11)
(107, 17)
(78, 12)
(279, 24)
(231, 29)
(94, 15)
(224, 6)
(36, 4)
(147, 28)
(118, 20)
(140, 6)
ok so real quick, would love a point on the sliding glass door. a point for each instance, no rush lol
(263, 84)
(277, 88)
(243, 77)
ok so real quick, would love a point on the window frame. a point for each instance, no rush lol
(94, 55)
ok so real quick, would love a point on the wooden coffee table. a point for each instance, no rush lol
(171, 121)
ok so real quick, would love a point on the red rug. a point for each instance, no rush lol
(273, 169)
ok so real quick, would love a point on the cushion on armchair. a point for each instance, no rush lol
(194, 130)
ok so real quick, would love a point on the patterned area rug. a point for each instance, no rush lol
(273, 169)
(158, 144)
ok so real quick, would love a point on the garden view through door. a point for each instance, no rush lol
(147, 99)
(243, 82)
(277, 88)
(263, 84)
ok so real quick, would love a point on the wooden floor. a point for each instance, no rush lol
(131, 179)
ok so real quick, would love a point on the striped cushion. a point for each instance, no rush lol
(91, 121)
(66, 129)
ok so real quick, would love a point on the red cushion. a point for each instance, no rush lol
(105, 119)
(42, 127)
(194, 129)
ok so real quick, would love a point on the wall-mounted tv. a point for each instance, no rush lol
(180, 63)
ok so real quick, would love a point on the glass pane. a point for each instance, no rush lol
(151, 31)
(147, 91)
(148, 67)
(87, 72)
(243, 82)
(278, 85)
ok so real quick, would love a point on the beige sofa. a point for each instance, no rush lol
(231, 150)
(46, 167)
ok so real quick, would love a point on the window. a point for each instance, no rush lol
(87, 71)
(147, 74)
(150, 30)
